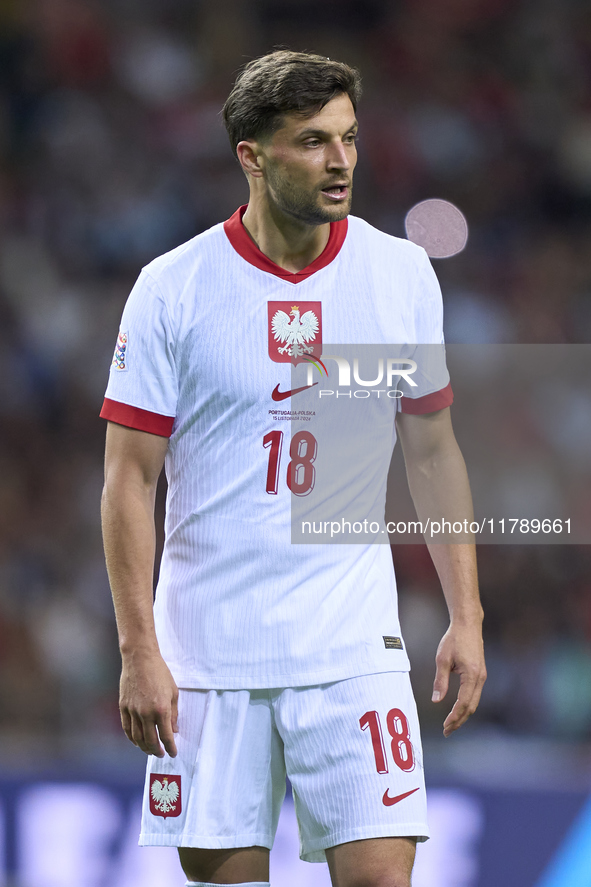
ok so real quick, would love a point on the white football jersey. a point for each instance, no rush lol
(204, 355)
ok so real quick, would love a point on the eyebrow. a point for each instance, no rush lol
(322, 132)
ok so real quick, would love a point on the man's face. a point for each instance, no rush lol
(308, 164)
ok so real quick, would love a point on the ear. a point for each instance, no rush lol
(249, 156)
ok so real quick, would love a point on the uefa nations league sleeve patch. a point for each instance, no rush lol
(120, 356)
(165, 795)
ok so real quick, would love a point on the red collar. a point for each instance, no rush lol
(247, 248)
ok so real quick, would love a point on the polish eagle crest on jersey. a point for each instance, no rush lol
(295, 331)
(165, 796)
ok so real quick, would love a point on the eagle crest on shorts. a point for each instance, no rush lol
(165, 796)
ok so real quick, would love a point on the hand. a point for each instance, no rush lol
(460, 650)
(148, 703)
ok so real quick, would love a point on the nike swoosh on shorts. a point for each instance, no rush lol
(387, 801)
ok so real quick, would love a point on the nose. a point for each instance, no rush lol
(338, 157)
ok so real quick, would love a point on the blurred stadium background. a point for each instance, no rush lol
(112, 152)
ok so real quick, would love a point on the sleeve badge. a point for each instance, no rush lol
(120, 356)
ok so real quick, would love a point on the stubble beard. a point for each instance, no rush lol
(303, 205)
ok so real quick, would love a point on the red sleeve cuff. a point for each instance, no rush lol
(429, 403)
(133, 417)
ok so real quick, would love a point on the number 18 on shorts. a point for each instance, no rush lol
(351, 750)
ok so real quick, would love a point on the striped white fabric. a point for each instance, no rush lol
(351, 749)
(237, 605)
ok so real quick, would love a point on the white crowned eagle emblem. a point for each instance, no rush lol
(295, 333)
(165, 794)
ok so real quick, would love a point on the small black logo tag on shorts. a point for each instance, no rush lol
(392, 643)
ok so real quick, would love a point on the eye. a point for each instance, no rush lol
(312, 143)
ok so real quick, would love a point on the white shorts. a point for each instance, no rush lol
(351, 749)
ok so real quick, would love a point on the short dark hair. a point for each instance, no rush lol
(283, 82)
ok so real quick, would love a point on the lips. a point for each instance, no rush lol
(337, 192)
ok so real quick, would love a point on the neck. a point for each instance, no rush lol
(289, 243)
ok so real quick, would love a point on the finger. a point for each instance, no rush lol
(475, 701)
(166, 733)
(145, 739)
(465, 705)
(151, 743)
(441, 682)
(175, 714)
(137, 732)
(457, 716)
(461, 709)
(126, 724)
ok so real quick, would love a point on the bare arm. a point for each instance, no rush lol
(148, 693)
(439, 487)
